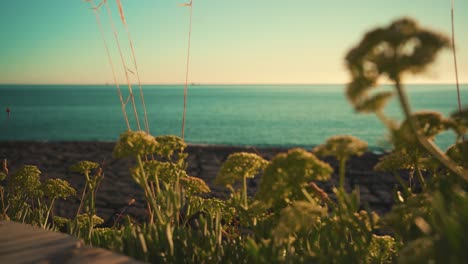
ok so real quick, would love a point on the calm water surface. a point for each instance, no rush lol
(258, 115)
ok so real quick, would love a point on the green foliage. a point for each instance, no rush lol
(154, 170)
(291, 219)
(57, 188)
(171, 148)
(300, 216)
(382, 249)
(25, 182)
(395, 161)
(84, 167)
(401, 47)
(239, 166)
(194, 185)
(430, 124)
(341, 147)
(287, 173)
(375, 103)
(133, 143)
(460, 121)
(459, 153)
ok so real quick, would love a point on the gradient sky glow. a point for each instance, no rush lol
(237, 41)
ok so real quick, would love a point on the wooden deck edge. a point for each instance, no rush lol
(22, 243)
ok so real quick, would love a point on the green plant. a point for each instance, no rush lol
(426, 225)
(286, 175)
(239, 167)
(392, 52)
(341, 147)
(88, 198)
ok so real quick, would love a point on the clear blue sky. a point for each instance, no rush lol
(238, 41)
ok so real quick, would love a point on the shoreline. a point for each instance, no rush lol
(55, 158)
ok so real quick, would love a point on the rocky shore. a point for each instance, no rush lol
(117, 189)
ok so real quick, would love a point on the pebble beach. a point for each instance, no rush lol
(204, 161)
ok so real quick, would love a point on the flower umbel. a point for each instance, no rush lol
(133, 143)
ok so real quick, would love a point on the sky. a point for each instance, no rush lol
(233, 42)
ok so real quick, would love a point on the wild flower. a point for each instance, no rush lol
(58, 188)
(84, 167)
(133, 143)
(60, 221)
(83, 221)
(394, 161)
(287, 173)
(341, 147)
(157, 171)
(25, 182)
(403, 47)
(170, 145)
(194, 185)
(300, 216)
(382, 249)
(88, 196)
(239, 167)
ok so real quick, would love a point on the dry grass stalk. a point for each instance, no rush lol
(455, 58)
(135, 64)
(122, 16)
(130, 89)
(187, 69)
(111, 63)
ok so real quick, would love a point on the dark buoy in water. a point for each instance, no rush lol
(8, 111)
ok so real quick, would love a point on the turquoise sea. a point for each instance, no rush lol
(255, 115)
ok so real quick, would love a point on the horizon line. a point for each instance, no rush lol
(198, 84)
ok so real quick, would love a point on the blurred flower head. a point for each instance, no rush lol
(240, 165)
(133, 143)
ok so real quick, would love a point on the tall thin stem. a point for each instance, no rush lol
(124, 65)
(48, 212)
(455, 60)
(187, 71)
(429, 146)
(135, 64)
(342, 173)
(111, 63)
(246, 204)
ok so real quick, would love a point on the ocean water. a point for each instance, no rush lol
(254, 115)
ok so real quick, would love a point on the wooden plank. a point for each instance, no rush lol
(21, 243)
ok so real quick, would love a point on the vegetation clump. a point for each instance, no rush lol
(290, 219)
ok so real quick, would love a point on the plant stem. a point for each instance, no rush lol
(246, 205)
(48, 212)
(455, 62)
(420, 178)
(147, 189)
(342, 172)
(429, 146)
(82, 199)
